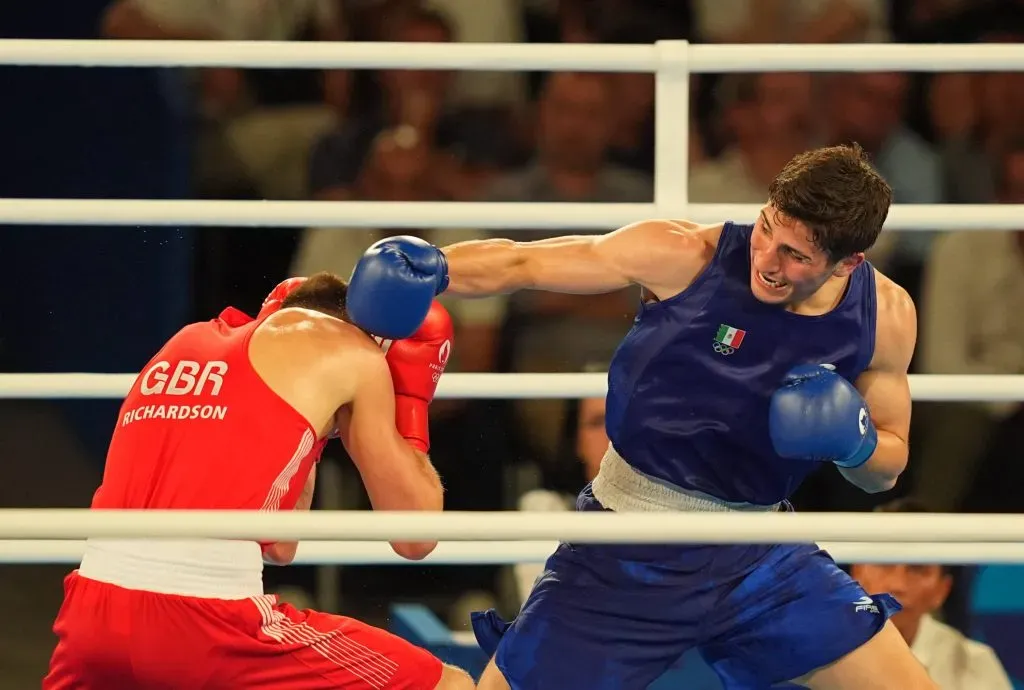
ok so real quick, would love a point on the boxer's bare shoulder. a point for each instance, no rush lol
(314, 361)
(895, 325)
(673, 252)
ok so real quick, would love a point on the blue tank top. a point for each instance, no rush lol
(688, 387)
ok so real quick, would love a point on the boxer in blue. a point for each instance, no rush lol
(760, 353)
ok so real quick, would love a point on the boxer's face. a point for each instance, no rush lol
(785, 264)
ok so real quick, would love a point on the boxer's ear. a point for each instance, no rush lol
(847, 265)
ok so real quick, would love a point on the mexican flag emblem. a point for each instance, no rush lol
(730, 336)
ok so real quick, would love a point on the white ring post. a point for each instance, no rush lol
(671, 130)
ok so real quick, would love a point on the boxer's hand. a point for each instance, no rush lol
(416, 365)
(393, 284)
(818, 415)
(273, 301)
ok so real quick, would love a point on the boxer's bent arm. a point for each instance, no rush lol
(662, 256)
(885, 387)
(396, 476)
(283, 552)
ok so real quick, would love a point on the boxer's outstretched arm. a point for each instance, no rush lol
(396, 476)
(885, 387)
(662, 256)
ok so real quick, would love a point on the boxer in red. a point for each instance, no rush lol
(233, 414)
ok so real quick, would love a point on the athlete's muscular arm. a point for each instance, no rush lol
(660, 255)
(396, 476)
(885, 387)
(283, 552)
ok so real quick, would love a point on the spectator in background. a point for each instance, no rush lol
(258, 125)
(972, 300)
(415, 101)
(953, 661)
(955, 116)
(973, 117)
(632, 144)
(792, 21)
(869, 109)
(547, 332)
(770, 119)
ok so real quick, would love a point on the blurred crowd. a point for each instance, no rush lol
(404, 135)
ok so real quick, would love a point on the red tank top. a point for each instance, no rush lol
(201, 430)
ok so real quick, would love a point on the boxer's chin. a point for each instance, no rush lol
(767, 292)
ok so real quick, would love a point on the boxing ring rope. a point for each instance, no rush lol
(515, 56)
(604, 528)
(925, 387)
(482, 215)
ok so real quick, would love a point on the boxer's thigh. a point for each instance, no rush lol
(884, 662)
(589, 622)
(309, 650)
(93, 630)
(795, 612)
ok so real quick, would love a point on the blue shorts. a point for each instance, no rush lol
(616, 617)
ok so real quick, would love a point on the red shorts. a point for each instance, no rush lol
(111, 637)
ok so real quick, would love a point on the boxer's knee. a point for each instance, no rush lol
(453, 678)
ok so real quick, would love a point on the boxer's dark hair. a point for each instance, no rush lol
(323, 292)
(836, 193)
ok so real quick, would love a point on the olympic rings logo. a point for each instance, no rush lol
(723, 349)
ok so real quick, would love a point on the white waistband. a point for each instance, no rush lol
(207, 568)
(620, 487)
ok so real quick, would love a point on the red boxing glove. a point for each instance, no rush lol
(416, 364)
(273, 301)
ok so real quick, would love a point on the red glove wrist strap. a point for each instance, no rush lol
(412, 422)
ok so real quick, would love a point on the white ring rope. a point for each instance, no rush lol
(511, 553)
(963, 388)
(516, 56)
(638, 528)
(452, 214)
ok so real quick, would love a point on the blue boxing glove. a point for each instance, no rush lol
(393, 285)
(818, 415)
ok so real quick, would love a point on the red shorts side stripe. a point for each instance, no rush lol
(370, 666)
